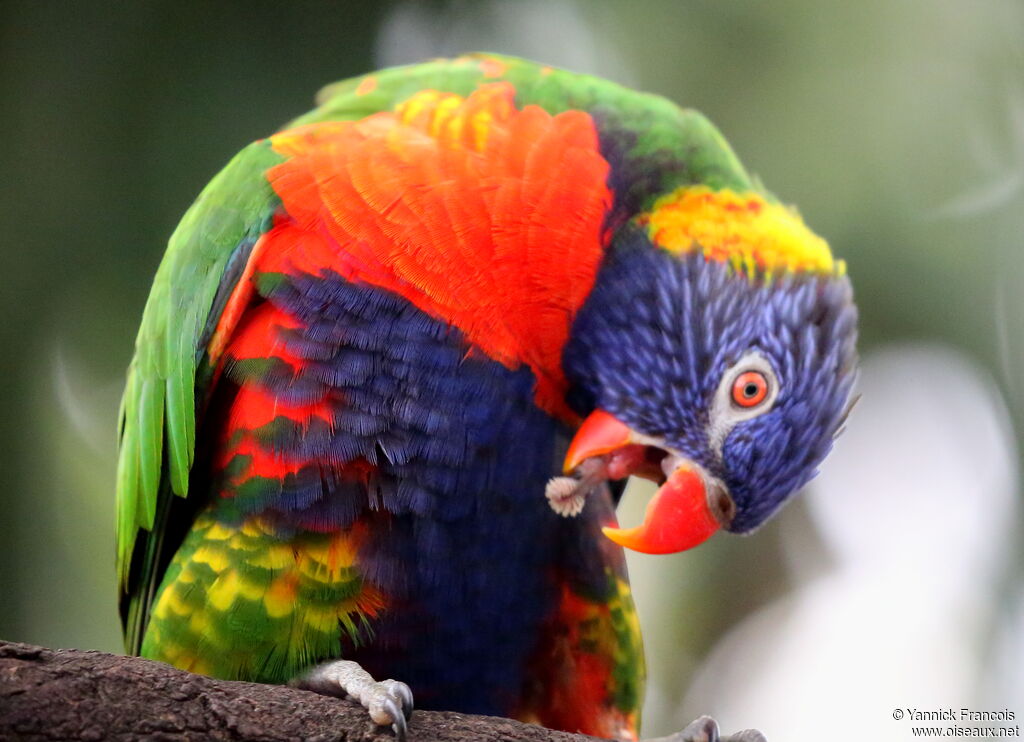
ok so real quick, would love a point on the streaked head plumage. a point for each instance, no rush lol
(707, 290)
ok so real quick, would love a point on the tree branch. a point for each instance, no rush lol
(69, 694)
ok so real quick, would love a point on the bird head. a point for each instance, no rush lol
(715, 355)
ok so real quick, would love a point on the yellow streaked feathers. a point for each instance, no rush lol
(232, 585)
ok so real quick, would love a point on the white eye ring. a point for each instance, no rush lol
(725, 413)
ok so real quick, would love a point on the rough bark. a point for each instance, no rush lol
(68, 694)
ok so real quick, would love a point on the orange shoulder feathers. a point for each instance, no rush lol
(478, 213)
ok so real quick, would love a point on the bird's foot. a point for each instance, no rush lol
(568, 495)
(387, 701)
(705, 729)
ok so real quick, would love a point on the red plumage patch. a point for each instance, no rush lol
(478, 213)
(263, 463)
(259, 337)
(574, 666)
(254, 407)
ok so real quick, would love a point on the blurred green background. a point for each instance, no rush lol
(896, 125)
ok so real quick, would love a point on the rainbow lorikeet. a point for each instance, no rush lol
(399, 358)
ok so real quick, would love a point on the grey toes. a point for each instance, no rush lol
(747, 735)
(702, 729)
(705, 729)
(388, 702)
(392, 704)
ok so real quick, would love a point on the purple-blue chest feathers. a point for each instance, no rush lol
(462, 541)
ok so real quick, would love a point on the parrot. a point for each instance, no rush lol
(400, 358)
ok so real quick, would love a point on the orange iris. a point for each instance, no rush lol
(749, 389)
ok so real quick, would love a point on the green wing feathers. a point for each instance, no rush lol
(158, 410)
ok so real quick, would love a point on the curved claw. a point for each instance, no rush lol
(399, 725)
(384, 710)
(400, 691)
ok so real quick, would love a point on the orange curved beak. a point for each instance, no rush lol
(677, 518)
(681, 514)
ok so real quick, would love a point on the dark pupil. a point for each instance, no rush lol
(750, 390)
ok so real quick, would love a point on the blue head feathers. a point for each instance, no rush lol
(663, 338)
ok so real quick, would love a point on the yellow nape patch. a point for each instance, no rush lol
(742, 229)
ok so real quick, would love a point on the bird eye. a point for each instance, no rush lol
(749, 389)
